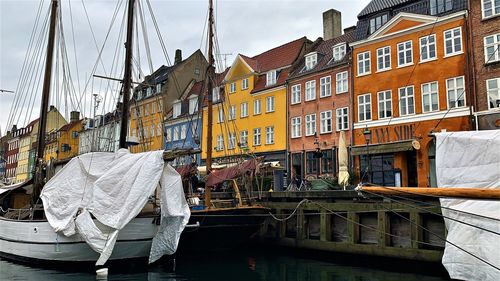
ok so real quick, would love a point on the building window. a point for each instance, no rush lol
(490, 8)
(193, 105)
(215, 94)
(384, 58)
(455, 92)
(453, 41)
(148, 91)
(244, 84)
(146, 110)
(342, 118)
(440, 6)
(311, 60)
(168, 134)
(232, 87)
(152, 131)
(310, 124)
(231, 141)
(339, 51)
(270, 135)
(296, 127)
(232, 113)
(325, 87)
(244, 110)
(159, 132)
(256, 136)
(493, 90)
(405, 53)
(364, 108)
(175, 133)
(327, 161)
(364, 63)
(220, 115)
(492, 47)
(271, 77)
(269, 104)
(256, 107)
(406, 101)
(341, 82)
(311, 162)
(176, 110)
(325, 122)
(384, 104)
(430, 97)
(158, 88)
(295, 94)
(427, 48)
(381, 169)
(220, 143)
(310, 90)
(377, 22)
(244, 138)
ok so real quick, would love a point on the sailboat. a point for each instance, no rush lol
(29, 234)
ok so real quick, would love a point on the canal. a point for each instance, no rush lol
(262, 265)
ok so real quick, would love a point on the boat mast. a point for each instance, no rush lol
(211, 76)
(127, 77)
(38, 178)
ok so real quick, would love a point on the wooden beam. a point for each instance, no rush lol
(451, 192)
(170, 155)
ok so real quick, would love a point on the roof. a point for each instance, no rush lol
(324, 49)
(277, 57)
(379, 5)
(70, 125)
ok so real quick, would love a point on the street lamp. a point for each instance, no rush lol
(367, 134)
(317, 154)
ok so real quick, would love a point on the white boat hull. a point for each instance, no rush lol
(36, 240)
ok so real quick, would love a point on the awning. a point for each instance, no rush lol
(230, 173)
(385, 147)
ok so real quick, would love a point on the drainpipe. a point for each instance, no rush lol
(351, 107)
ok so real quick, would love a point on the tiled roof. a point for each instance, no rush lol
(196, 89)
(70, 125)
(379, 5)
(324, 49)
(261, 80)
(277, 57)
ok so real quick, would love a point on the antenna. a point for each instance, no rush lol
(6, 91)
(224, 55)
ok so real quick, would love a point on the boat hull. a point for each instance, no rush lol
(37, 241)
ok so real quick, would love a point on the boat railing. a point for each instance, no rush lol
(17, 214)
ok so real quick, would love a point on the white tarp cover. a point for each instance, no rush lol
(114, 187)
(470, 159)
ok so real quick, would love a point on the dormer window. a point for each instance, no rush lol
(176, 109)
(158, 88)
(377, 22)
(271, 77)
(216, 94)
(311, 60)
(193, 104)
(148, 91)
(339, 51)
(440, 6)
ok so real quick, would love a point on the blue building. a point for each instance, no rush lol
(183, 124)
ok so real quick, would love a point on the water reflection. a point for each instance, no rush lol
(253, 267)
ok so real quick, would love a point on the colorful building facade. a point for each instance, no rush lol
(101, 133)
(23, 172)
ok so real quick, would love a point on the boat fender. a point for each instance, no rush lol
(102, 274)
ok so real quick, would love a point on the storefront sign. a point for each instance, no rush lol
(396, 133)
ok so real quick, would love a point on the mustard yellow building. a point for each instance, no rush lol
(22, 170)
(63, 143)
(249, 113)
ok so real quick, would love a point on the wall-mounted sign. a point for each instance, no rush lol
(391, 134)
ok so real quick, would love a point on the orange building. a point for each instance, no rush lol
(409, 81)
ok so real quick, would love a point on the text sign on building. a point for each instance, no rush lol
(393, 133)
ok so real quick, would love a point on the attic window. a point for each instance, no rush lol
(311, 60)
(440, 6)
(271, 77)
(339, 51)
(377, 22)
(176, 109)
(193, 104)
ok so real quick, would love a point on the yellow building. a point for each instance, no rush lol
(249, 115)
(22, 170)
(63, 143)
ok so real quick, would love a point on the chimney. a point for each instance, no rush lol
(52, 108)
(332, 24)
(74, 116)
(349, 29)
(14, 128)
(178, 56)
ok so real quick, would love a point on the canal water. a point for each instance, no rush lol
(268, 266)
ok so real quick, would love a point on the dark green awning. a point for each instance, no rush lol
(383, 148)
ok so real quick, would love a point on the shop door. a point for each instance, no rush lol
(411, 163)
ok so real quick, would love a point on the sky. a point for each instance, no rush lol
(246, 27)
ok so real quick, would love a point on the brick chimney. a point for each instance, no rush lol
(74, 116)
(349, 29)
(332, 24)
(178, 56)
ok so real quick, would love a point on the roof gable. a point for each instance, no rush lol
(403, 21)
(240, 67)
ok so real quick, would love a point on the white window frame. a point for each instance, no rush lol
(232, 113)
(342, 82)
(452, 39)
(244, 110)
(342, 118)
(403, 53)
(270, 135)
(220, 143)
(384, 103)
(231, 140)
(426, 90)
(270, 104)
(257, 137)
(404, 100)
(257, 109)
(325, 122)
(232, 88)
(495, 44)
(325, 86)
(193, 104)
(220, 115)
(176, 110)
(296, 127)
(244, 84)
(215, 94)
(296, 94)
(425, 45)
(366, 106)
(491, 92)
(271, 77)
(457, 92)
(364, 60)
(384, 58)
(176, 131)
(310, 123)
(339, 51)
(244, 138)
(183, 132)
(494, 13)
(310, 93)
(311, 60)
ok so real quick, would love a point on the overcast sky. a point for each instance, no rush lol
(247, 27)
